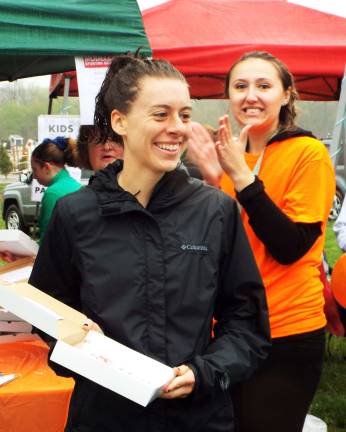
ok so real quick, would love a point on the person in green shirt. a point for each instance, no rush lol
(48, 165)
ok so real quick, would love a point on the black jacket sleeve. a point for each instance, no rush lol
(242, 335)
(54, 271)
(286, 241)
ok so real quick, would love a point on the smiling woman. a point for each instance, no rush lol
(272, 170)
(152, 256)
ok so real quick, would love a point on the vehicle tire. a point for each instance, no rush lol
(337, 204)
(14, 219)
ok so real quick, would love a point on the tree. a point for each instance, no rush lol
(23, 163)
(5, 163)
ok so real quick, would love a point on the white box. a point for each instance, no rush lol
(43, 311)
(114, 366)
(91, 354)
(18, 243)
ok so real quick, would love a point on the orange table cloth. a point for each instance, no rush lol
(37, 400)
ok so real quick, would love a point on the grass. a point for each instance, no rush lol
(330, 400)
(2, 223)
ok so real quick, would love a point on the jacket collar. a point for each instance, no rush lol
(173, 187)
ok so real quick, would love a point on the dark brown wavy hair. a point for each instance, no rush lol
(121, 86)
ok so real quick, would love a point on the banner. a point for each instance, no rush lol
(91, 72)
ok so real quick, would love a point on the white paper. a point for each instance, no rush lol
(6, 378)
(17, 275)
(17, 242)
(91, 72)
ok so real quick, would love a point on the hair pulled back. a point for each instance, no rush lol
(58, 151)
(121, 86)
(288, 112)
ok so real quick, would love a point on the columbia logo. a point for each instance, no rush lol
(192, 247)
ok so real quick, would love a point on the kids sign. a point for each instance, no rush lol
(51, 126)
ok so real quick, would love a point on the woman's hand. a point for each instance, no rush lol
(91, 325)
(180, 386)
(201, 151)
(230, 151)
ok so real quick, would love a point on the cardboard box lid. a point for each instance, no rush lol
(43, 311)
(17, 242)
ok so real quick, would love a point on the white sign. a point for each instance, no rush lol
(37, 191)
(51, 126)
(91, 72)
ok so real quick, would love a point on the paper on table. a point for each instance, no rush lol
(6, 378)
(17, 275)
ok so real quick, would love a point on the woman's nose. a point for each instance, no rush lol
(251, 94)
(176, 125)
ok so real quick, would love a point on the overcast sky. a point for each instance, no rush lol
(337, 7)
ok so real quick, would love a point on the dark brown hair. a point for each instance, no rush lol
(58, 151)
(288, 112)
(121, 86)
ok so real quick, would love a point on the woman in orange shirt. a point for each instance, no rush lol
(284, 182)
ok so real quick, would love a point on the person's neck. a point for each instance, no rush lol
(54, 172)
(138, 182)
(258, 139)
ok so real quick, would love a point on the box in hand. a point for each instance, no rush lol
(91, 354)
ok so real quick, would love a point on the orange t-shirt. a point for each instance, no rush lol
(299, 178)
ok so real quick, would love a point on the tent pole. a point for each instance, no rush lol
(338, 139)
(50, 105)
(64, 109)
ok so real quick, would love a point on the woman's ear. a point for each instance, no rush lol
(118, 122)
(287, 96)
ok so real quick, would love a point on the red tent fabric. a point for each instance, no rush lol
(203, 37)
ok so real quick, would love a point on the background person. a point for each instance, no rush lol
(94, 154)
(87, 153)
(48, 165)
(151, 255)
(272, 169)
(340, 228)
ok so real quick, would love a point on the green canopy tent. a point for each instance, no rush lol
(40, 37)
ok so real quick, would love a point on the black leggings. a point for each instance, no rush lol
(278, 395)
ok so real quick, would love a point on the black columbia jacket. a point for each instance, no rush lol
(153, 278)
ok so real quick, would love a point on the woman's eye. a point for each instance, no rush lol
(239, 86)
(264, 86)
(186, 117)
(160, 115)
